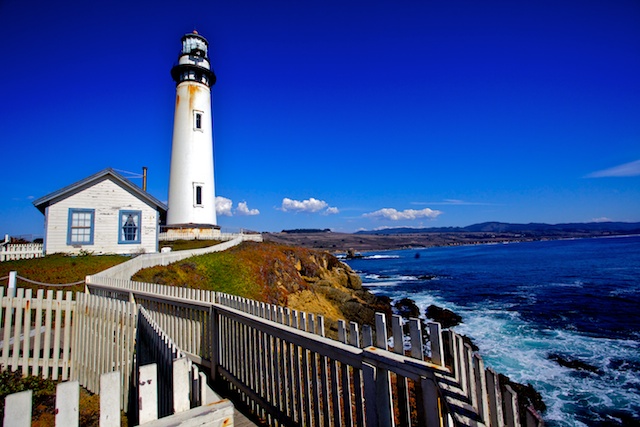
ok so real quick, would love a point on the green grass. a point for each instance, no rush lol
(183, 245)
(59, 269)
(260, 271)
(219, 271)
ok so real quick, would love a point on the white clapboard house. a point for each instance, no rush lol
(102, 214)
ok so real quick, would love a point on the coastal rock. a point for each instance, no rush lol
(319, 283)
(407, 308)
(444, 316)
(576, 364)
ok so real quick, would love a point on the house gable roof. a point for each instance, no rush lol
(43, 202)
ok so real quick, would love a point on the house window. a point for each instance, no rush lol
(198, 195)
(129, 227)
(197, 120)
(80, 227)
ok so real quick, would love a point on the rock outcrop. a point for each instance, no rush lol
(332, 289)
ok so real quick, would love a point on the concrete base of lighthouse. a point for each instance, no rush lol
(191, 232)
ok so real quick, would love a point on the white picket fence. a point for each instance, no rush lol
(173, 234)
(56, 337)
(37, 333)
(16, 251)
(280, 366)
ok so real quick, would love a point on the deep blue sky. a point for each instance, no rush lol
(442, 113)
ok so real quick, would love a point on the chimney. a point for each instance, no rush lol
(144, 178)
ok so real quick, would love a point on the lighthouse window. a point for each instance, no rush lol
(197, 120)
(129, 227)
(198, 195)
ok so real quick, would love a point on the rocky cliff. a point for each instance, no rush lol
(334, 290)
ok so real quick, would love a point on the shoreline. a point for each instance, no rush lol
(338, 243)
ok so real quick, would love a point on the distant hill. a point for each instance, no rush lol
(503, 227)
(307, 230)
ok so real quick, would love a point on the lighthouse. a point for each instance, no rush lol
(191, 202)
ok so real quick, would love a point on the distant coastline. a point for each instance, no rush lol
(484, 233)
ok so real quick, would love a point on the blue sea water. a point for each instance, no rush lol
(523, 303)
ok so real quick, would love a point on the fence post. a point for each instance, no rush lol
(511, 414)
(481, 388)
(402, 383)
(215, 345)
(437, 347)
(429, 407)
(469, 369)
(415, 332)
(367, 336)
(181, 379)
(383, 377)
(426, 390)
(17, 409)
(369, 379)
(148, 393)
(110, 399)
(354, 340)
(67, 403)
(12, 284)
(495, 397)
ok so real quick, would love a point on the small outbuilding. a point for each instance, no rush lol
(102, 214)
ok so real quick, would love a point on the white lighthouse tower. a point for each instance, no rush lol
(191, 185)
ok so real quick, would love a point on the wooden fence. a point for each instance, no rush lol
(15, 251)
(278, 364)
(18, 406)
(37, 332)
(275, 361)
(183, 313)
(56, 337)
(154, 346)
(103, 341)
(62, 338)
(203, 234)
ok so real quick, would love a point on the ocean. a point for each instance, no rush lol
(562, 315)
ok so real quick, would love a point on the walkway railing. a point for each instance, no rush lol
(279, 365)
